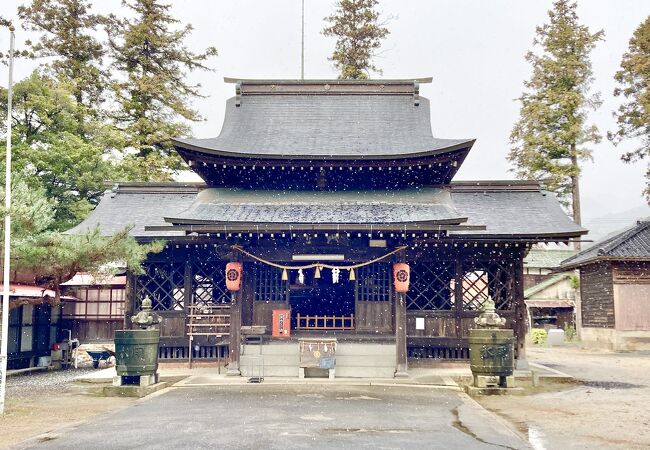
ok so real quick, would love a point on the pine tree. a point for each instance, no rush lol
(153, 94)
(68, 34)
(551, 136)
(633, 116)
(358, 37)
(57, 257)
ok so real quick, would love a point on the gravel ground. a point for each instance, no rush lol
(43, 402)
(37, 382)
(607, 407)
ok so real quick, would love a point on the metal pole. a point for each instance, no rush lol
(302, 42)
(7, 224)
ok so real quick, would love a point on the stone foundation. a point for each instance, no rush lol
(617, 340)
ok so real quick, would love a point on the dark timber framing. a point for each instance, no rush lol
(334, 167)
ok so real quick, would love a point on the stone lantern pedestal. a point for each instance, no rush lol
(136, 351)
(491, 350)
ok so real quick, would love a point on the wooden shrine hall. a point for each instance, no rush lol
(313, 192)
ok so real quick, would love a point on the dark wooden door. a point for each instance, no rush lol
(374, 299)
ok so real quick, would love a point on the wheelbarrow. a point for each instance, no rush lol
(99, 355)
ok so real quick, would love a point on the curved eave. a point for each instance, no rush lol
(194, 145)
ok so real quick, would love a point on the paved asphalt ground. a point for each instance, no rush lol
(283, 416)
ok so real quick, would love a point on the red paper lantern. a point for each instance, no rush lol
(233, 276)
(401, 277)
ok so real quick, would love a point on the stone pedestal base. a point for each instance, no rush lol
(233, 370)
(144, 381)
(331, 373)
(521, 364)
(483, 381)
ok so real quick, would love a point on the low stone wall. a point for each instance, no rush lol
(612, 339)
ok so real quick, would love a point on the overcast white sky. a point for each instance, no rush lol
(474, 49)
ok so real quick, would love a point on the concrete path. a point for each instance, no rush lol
(293, 416)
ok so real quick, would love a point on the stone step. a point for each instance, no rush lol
(284, 348)
(272, 360)
(281, 359)
(365, 372)
(270, 371)
(365, 349)
(365, 360)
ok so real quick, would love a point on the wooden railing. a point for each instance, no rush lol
(325, 322)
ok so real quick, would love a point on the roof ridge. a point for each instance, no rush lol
(605, 246)
(621, 238)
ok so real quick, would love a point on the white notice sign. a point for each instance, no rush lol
(419, 323)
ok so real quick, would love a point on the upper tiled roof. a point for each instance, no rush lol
(326, 120)
(632, 243)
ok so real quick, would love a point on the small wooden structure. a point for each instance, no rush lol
(614, 309)
(318, 187)
(34, 324)
(551, 303)
(96, 307)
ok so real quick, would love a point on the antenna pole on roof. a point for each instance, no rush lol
(302, 42)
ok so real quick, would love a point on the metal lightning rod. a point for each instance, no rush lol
(302, 43)
(7, 225)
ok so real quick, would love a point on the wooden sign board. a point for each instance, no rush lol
(317, 353)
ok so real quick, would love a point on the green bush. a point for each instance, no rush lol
(538, 336)
(569, 332)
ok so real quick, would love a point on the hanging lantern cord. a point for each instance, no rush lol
(318, 265)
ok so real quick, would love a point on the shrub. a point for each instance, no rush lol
(569, 332)
(539, 336)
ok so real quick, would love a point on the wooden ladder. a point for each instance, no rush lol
(207, 320)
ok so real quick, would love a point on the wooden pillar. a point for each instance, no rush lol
(248, 297)
(235, 333)
(458, 295)
(129, 300)
(400, 330)
(520, 313)
(400, 335)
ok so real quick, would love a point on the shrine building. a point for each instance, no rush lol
(336, 211)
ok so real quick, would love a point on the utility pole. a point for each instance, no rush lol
(302, 42)
(7, 225)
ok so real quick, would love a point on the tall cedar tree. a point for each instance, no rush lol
(633, 116)
(358, 37)
(550, 138)
(152, 93)
(67, 31)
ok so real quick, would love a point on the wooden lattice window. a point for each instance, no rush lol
(483, 280)
(432, 286)
(268, 284)
(209, 283)
(163, 283)
(374, 283)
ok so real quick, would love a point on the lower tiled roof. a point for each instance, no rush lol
(633, 243)
(503, 210)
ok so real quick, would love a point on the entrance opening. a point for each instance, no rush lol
(320, 304)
